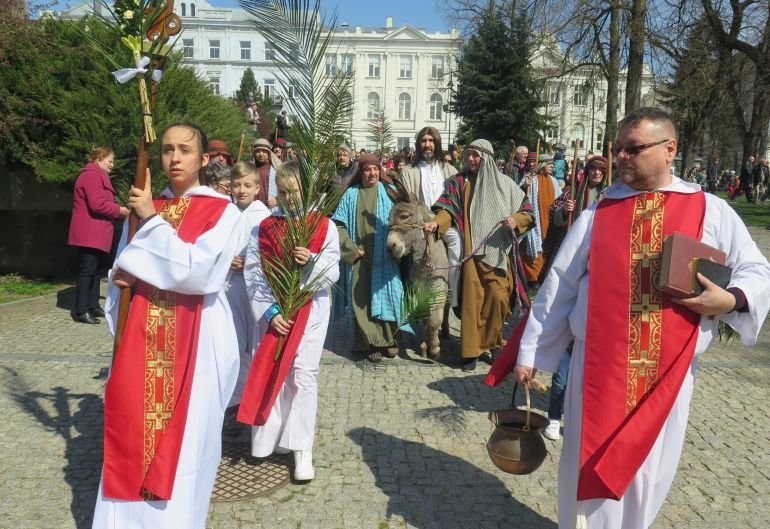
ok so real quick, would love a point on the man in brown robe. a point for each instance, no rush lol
(542, 189)
(489, 209)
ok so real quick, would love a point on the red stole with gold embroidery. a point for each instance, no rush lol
(266, 375)
(148, 391)
(639, 344)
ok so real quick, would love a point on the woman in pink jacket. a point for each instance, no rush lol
(93, 214)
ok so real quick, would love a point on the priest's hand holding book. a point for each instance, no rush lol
(713, 301)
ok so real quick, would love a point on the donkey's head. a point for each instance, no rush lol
(405, 235)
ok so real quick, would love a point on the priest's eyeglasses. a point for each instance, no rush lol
(633, 150)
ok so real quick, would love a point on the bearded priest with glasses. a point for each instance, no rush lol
(636, 348)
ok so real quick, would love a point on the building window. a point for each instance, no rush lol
(372, 104)
(245, 50)
(404, 106)
(291, 91)
(269, 52)
(214, 85)
(435, 107)
(347, 63)
(553, 95)
(374, 65)
(579, 133)
(214, 49)
(268, 87)
(184, 9)
(405, 67)
(192, 10)
(599, 140)
(437, 67)
(331, 64)
(403, 142)
(581, 95)
(552, 134)
(188, 48)
(371, 144)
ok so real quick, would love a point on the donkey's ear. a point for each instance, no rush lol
(403, 194)
(393, 193)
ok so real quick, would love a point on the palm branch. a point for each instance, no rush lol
(420, 299)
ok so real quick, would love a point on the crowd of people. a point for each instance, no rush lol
(203, 307)
(752, 179)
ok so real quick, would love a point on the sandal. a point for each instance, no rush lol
(375, 355)
(390, 352)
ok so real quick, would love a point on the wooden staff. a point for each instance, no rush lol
(608, 174)
(537, 151)
(572, 177)
(240, 147)
(140, 180)
(513, 157)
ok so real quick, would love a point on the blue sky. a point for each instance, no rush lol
(418, 13)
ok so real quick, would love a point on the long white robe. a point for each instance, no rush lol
(559, 312)
(291, 424)
(159, 257)
(245, 327)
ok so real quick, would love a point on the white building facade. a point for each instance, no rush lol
(403, 72)
(575, 103)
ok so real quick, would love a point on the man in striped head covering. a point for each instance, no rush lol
(491, 212)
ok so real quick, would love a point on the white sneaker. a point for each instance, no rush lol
(303, 465)
(552, 431)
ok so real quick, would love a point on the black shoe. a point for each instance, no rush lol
(97, 312)
(85, 318)
(469, 364)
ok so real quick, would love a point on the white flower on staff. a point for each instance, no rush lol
(128, 15)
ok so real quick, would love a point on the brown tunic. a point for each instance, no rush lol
(485, 292)
(545, 197)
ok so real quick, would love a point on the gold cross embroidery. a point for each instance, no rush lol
(159, 416)
(645, 256)
(643, 362)
(645, 306)
(159, 364)
(161, 312)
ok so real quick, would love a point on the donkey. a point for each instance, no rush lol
(429, 257)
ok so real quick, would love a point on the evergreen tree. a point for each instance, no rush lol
(380, 131)
(496, 96)
(59, 100)
(248, 86)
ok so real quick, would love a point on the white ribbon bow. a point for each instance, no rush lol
(124, 75)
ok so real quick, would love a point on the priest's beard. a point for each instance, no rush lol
(428, 156)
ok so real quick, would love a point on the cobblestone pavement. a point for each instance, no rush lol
(399, 445)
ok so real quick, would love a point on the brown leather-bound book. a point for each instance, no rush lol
(676, 273)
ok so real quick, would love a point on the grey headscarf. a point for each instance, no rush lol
(495, 197)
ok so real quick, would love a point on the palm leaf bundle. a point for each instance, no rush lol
(420, 299)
